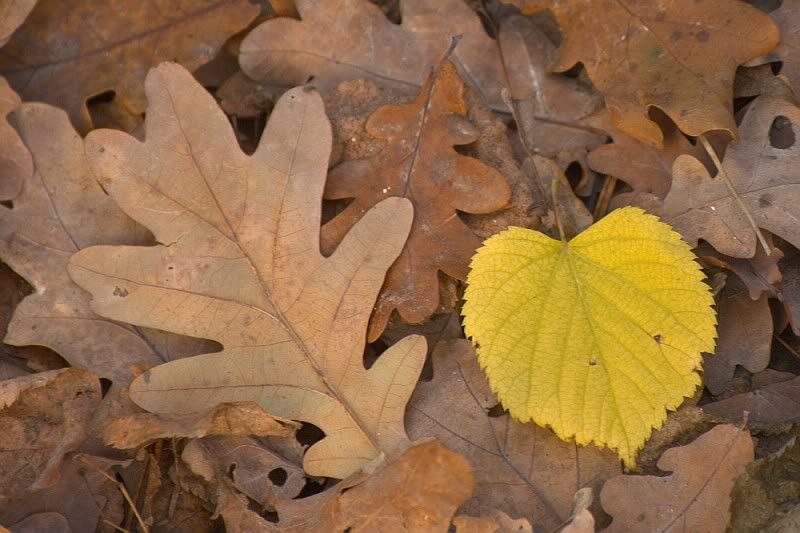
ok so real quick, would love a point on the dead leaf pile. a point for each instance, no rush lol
(238, 306)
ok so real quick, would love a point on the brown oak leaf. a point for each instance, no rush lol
(519, 468)
(774, 400)
(60, 210)
(109, 46)
(240, 264)
(744, 333)
(339, 40)
(761, 168)
(760, 273)
(787, 17)
(694, 497)
(16, 164)
(641, 54)
(419, 162)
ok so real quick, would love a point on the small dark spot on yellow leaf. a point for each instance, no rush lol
(657, 338)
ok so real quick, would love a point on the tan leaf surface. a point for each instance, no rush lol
(418, 492)
(12, 15)
(240, 264)
(763, 175)
(420, 163)
(339, 40)
(790, 288)
(60, 210)
(493, 522)
(16, 164)
(744, 333)
(70, 50)
(44, 416)
(695, 496)
(787, 17)
(237, 418)
(521, 469)
(642, 54)
(760, 273)
(774, 400)
(551, 109)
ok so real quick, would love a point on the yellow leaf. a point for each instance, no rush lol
(597, 337)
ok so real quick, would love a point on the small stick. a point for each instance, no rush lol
(604, 197)
(554, 190)
(122, 489)
(715, 158)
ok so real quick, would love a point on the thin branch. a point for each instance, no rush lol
(121, 488)
(724, 175)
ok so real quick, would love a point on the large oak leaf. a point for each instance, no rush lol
(108, 46)
(16, 164)
(240, 264)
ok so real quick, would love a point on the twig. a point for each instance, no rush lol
(556, 211)
(604, 197)
(724, 175)
(787, 346)
(122, 489)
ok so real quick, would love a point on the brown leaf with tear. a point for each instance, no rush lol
(538, 472)
(234, 418)
(60, 210)
(761, 167)
(12, 15)
(70, 50)
(645, 168)
(787, 17)
(744, 335)
(695, 496)
(339, 40)
(418, 492)
(641, 54)
(240, 264)
(16, 164)
(552, 109)
(760, 273)
(419, 162)
(44, 416)
(773, 401)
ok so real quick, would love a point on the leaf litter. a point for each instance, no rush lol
(208, 325)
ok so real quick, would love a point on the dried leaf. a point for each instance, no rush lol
(745, 335)
(761, 170)
(421, 164)
(694, 497)
(772, 403)
(790, 288)
(39, 522)
(61, 210)
(70, 50)
(596, 337)
(44, 416)
(787, 19)
(643, 54)
(760, 81)
(237, 418)
(418, 492)
(760, 273)
(538, 472)
(16, 164)
(12, 15)
(575, 217)
(551, 109)
(494, 522)
(240, 264)
(363, 43)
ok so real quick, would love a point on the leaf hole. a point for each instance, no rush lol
(105, 386)
(574, 174)
(496, 411)
(278, 476)
(776, 67)
(781, 133)
(309, 434)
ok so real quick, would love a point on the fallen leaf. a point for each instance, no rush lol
(760, 273)
(12, 15)
(418, 492)
(36, 523)
(596, 337)
(574, 216)
(109, 47)
(551, 110)
(420, 163)
(645, 168)
(238, 418)
(60, 210)
(760, 81)
(363, 43)
(240, 264)
(643, 54)
(494, 522)
(44, 416)
(745, 335)
(774, 401)
(760, 167)
(694, 497)
(16, 164)
(82, 495)
(538, 472)
(790, 287)
(788, 22)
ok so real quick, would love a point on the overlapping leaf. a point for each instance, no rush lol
(596, 337)
(15, 161)
(12, 15)
(240, 264)
(109, 46)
